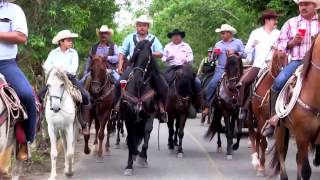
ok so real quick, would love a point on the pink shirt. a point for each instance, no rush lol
(182, 53)
(290, 29)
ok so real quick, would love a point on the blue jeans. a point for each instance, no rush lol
(212, 86)
(285, 74)
(17, 80)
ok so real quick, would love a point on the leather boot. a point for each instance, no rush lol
(23, 152)
(85, 110)
(268, 130)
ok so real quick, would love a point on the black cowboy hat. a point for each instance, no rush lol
(176, 32)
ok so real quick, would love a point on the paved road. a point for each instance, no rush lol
(201, 161)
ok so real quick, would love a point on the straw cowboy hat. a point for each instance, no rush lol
(143, 19)
(104, 28)
(317, 2)
(176, 32)
(63, 35)
(11, 0)
(226, 27)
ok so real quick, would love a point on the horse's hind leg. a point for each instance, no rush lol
(170, 125)
(53, 151)
(69, 155)
(143, 154)
(304, 169)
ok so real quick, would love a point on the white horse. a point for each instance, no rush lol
(60, 113)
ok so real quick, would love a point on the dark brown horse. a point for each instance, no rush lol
(101, 92)
(226, 104)
(303, 120)
(180, 94)
(261, 110)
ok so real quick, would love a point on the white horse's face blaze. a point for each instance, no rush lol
(56, 91)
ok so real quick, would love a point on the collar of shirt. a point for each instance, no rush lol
(226, 42)
(148, 36)
(66, 52)
(180, 44)
(315, 18)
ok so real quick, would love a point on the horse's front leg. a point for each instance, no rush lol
(170, 125)
(175, 139)
(53, 151)
(316, 161)
(132, 148)
(239, 133)
(103, 121)
(109, 132)
(229, 135)
(87, 150)
(97, 127)
(304, 169)
(142, 161)
(69, 155)
(182, 122)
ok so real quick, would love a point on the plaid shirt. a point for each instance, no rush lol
(290, 29)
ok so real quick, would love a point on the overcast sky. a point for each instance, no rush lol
(125, 16)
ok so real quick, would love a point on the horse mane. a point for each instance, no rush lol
(185, 76)
(307, 59)
(232, 62)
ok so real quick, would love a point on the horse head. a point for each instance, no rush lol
(233, 71)
(183, 85)
(56, 88)
(98, 75)
(279, 59)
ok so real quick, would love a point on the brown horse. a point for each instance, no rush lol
(101, 92)
(303, 120)
(261, 110)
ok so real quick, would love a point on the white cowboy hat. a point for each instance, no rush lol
(104, 28)
(11, 1)
(317, 2)
(63, 35)
(226, 27)
(143, 19)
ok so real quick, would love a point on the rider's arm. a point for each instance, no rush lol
(189, 57)
(165, 54)
(284, 37)
(48, 64)
(250, 46)
(157, 48)
(124, 51)
(13, 37)
(114, 59)
(241, 50)
(74, 63)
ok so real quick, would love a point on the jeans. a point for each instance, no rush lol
(197, 85)
(212, 86)
(17, 80)
(285, 74)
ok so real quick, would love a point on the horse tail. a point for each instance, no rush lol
(215, 125)
(279, 149)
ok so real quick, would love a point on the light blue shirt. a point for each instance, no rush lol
(128, 44)
(234, 44)
(67, 61)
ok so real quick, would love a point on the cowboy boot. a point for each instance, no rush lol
(85, 110)
(268, 130)
(23, 152)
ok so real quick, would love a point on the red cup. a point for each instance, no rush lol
(217, 51)
(302, 32)
(123, 84)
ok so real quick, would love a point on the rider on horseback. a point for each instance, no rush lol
(259, 45)
(207, 65)
(176, 54)
(128, 46)
(296, 39)
(105, 49)
(14, 31)
(67, 58)
(227, 46)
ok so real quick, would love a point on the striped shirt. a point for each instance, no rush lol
(289, 31)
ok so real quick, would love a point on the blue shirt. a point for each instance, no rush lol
(234, 44)
(128, 44)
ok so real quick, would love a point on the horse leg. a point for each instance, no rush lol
(118, 131)
(70, 150)
(316, 161)
(239, 134)
(109, 131)
(53, 151)
(170, 125)
(219, 142)
(261, 167)
(101, 137)
(143, 154)
(229, 135)
(303, 166)
(182, 122)
(131, 146)
(175, 140)
(97, 127)
(86, 139)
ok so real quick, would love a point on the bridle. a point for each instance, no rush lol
(180, 98)
(56, 97)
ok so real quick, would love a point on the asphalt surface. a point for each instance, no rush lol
(201, 160)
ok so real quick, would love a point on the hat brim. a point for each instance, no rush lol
(11, 1)
(226, 30)
(182, 34)
(316, 2)
(56, 39)
(98, 31)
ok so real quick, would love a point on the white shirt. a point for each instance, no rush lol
(12, 18)
(262, 50)
(182, 53)
(67, 61)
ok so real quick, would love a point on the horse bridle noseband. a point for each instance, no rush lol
(56, 97)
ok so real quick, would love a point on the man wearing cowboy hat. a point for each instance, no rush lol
(66, 58)
(14, 31)
(106, 49)
(142, 33)
(227, 46)
(295, 39)
(260, 44)
(176, 54)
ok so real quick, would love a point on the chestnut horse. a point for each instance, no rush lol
(261, 110)
(101, 92)
(303, 120)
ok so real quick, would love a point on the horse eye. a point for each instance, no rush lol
(48, 85)
(62, 85)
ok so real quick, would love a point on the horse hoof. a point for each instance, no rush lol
(68, 174)
(99, 160)
(261, 172)
(142, 162)
(107, 153)
(180, 155)
(123, 135)
(229, 157)
(134, 157)
(176, 148)
(128, 172)
(316, 163)
(219, 150)
(235, 147)
(117, 146)
(87, 151)
(52, 178)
